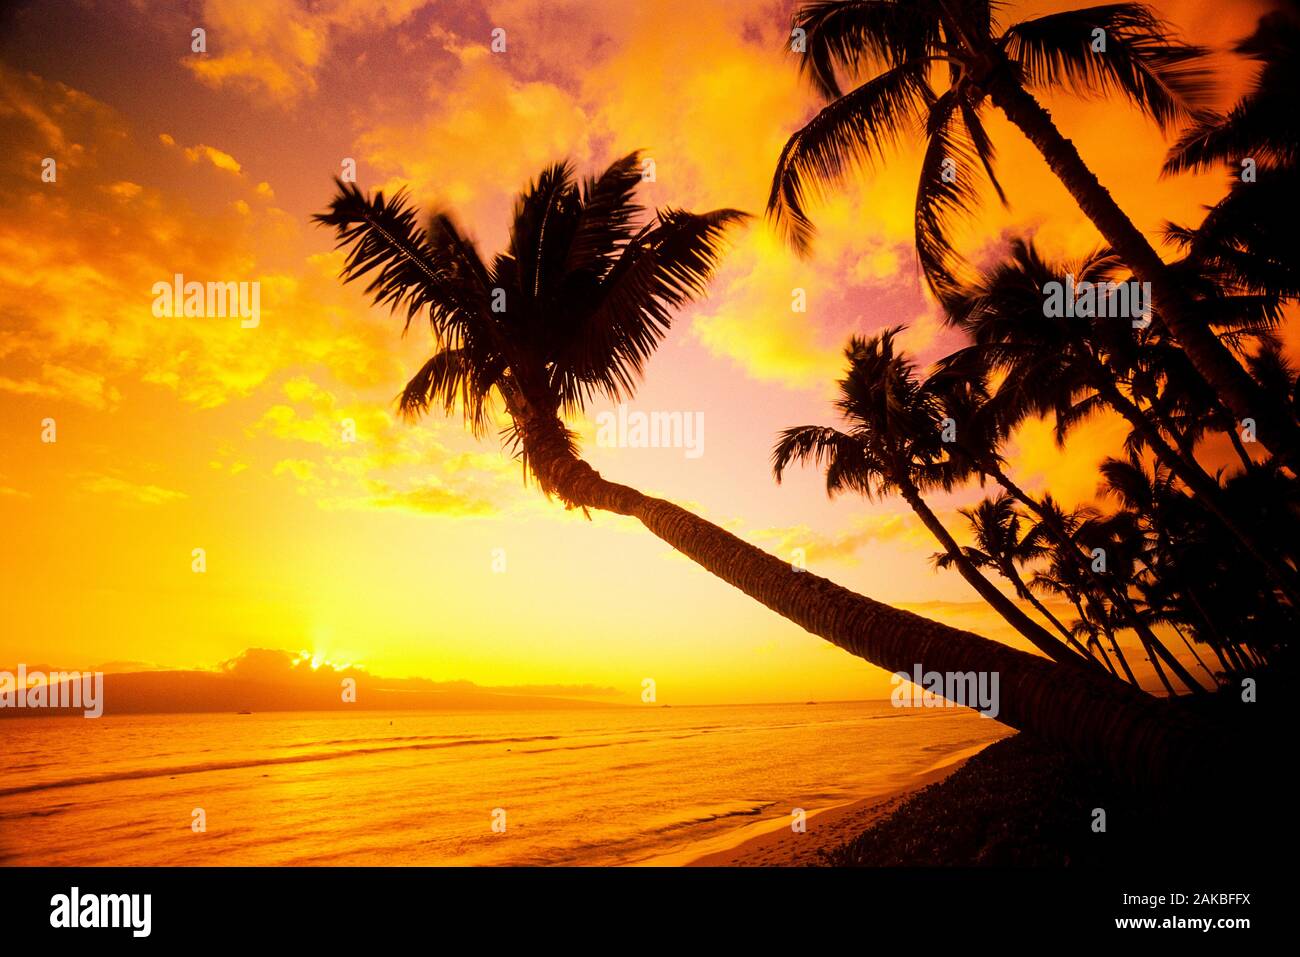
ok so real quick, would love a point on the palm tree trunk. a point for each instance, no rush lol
(1195, 653)
(1160, 673)
(1159, 651)
(1104, 623)
(1114, 645)
(1101, 653)
(1037, 635)
(1229, 669)
(1240, 449)
(1140, 740)
(1009, 572)
(1277, 430)
(1232, 663)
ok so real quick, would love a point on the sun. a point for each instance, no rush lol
(316, 660)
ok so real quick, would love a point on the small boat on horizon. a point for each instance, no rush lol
(243, 712)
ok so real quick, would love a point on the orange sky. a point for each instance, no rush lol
(176, 433)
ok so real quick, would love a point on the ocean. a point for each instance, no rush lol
(584, 787)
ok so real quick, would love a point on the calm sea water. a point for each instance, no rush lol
(577, 787)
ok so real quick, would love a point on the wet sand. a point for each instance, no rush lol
(772, 842)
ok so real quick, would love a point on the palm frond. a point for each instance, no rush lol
(413, 269)
(858, 128)
(1244, 132)
(1161, 75)
(544, 220)
(608, 218)
(851, 35)
(453, 376)
(944, 191)
(847, 464)
(982, 145)
(1263, 124)
(666, 265)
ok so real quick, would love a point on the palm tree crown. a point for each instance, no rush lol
(570, 311)
(897, 49)
(894, 438)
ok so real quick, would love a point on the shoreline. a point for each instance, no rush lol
(770, 842)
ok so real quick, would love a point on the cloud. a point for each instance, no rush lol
(279, 666)
(136, 493)
(218, 158)
(1036, 463)
(123, 190)
(513, 128)
(85, 332)
(273, 50)
(433, 498)
(57, 121)
(59, 382)
(301, 469)
(359, 456)
(841, 546)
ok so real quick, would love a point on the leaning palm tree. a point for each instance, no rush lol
(568, 314)
(895, 444)
(899, 47)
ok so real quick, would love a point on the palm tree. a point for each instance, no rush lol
(1069, 577)
(1181, 562)
(1118, 537)
(1131, 535)
(1000, 545)
(1246, 241)
(895, 444)
(985, 423)
(902, 45)
(1061, 365)
(1263, 125)
(585, 291)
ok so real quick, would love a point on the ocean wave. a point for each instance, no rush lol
(138, 774)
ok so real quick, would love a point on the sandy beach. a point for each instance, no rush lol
(771, 842)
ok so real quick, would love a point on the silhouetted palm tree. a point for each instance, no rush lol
(1061, 365)
(895, 444)
(582, 295)
(979, 429)
(1070, 577)
(1246, 241)
(1129, 535)
(1001, 545)
(1184, 566)
(900, 46)
(1263, 125)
